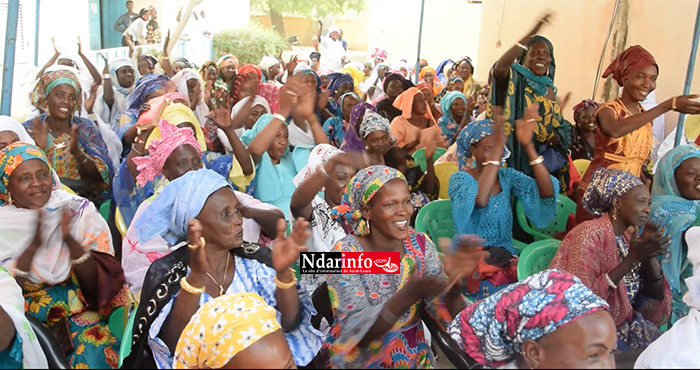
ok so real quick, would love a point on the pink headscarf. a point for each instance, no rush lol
(160, 149)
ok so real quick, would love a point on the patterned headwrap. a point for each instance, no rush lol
(184, 61)
(205, 66)
(360, 110)
(251, 68)
(10, 158)
(494, 329)
(179, 202)
(372, 122)
(467, 60)
(631, 60)
(226, 59)
(49, 81)
(315, 54)
(237, 86)
(175, 114)
(318, 157)
(472, 134)
(586, 103)
(360, 190)
(145, 85)
(379, 53)
(223, 327)
(160, 149)
(606, 185)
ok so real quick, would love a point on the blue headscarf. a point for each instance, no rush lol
(447, 123)
(670, 210)
(181, 200)
(606, 185)
(472, 134)
(440, 70)
(144, 86)
(260, 124)
(339, 79)
(538, 84)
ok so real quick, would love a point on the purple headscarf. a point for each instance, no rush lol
(352, 141)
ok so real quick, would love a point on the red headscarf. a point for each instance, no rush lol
(248, 68)
(631, 60)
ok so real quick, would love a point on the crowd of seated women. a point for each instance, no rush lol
(213, 181)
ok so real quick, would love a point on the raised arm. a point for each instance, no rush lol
(51, 61)
(222, 118)
(524, 131)
(502, 66)
(107, 89)
(615, 128)
(320, 29)
(489, 174)
(165, 58)
(91, 68)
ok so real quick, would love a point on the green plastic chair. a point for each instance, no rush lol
(104, 209)
(565, 207)
(435, 219)
(117, 320)
(419, 157)
(537, 257)
(125, 345)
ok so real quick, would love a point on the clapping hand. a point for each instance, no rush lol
(651, 243)
(285, 251)
(525, 127)
(198, 257)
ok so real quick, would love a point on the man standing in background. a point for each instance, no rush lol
(125, 19)
(333, 52)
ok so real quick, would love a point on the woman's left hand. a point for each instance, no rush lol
(525, 127)
(285, 251)
(66, 224)
(221, 116)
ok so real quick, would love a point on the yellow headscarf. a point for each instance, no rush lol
(223, 327)
(175, 114)
(357, 78)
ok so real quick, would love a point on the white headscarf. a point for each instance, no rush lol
(258, 100)
(267, 61)
(10, 124)
(114, 67)
(318, 157)
(692, 297)
(201, 110)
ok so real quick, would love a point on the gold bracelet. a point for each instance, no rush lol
(189, 288)
(495, 163)
(673, 103)
(288, 285)
(537, 160)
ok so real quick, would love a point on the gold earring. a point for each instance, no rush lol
(613, 214)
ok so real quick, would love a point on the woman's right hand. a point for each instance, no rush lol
(545, 19)
(651, 243)
(687, 104)
(525, 127)
(198, 258)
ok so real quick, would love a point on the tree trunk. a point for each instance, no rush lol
(277, 22)
(619, 43)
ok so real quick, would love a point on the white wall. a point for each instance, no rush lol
(450, 29)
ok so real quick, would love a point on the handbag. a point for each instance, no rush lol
(553, 160)
(110, 280)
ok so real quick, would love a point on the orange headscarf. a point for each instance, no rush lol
(404, 102)
(437, 86)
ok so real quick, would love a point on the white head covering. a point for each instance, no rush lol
(332, 29)
(301, 66)
(10, 124)
(114, 67)
(181, 79)
(258, 100)
(318, 157)
(267, 62)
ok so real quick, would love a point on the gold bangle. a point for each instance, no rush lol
(537, 160)
(495, 163)
(288, 285)
(189, 288)
(673, 103)
(521, 46)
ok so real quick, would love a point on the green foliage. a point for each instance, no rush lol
(308, 8)
(249, 44)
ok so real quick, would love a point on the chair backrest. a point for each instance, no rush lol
(125, 345)
(419, 157)
(55, 356)
(564, 208)
(105, 209)
(443, 171)
(581, 166)
(119, 221)
(536, 257)
(435, 219)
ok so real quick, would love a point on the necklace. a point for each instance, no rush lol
(221, 287)
(624, 106)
